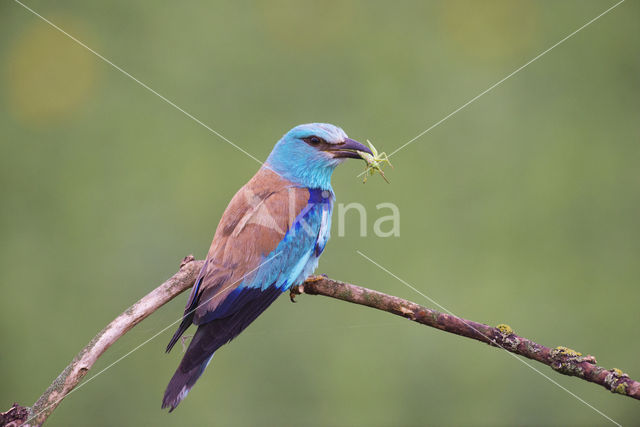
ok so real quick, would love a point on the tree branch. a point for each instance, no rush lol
(561, 359)
(80, 365)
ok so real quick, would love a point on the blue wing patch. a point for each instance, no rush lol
(295, 257)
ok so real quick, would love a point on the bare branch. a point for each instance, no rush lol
(561, 359)
(80, 365)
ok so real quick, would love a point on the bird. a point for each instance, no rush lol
(269, 239)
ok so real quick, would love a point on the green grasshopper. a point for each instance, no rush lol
(374, 163)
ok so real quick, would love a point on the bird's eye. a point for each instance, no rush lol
(313, 140)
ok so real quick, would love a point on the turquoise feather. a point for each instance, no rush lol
(269, 239)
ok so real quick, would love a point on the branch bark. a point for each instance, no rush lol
(561, 359)
(80, 365)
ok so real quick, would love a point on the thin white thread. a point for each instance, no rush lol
(502, 80)
(168, 101)
(148, 340)
(508, 352)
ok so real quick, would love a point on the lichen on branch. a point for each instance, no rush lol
(562, 359)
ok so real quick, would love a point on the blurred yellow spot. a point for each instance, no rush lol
(304, 24)
(490, 29)
(49, 75)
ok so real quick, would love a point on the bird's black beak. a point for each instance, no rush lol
(348, 149)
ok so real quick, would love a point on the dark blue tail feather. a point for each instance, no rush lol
(210, 337)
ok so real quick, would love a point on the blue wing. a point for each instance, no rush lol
(293, 259)
(254, 258)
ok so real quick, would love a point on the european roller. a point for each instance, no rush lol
(269, 239)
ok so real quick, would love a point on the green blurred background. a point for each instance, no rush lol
(522, 208)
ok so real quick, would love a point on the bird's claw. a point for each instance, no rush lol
(293, 291)
(186, 260)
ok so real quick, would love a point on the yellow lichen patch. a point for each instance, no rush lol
(618, 373)
(505, 329)
(566, 351)
(620, 388)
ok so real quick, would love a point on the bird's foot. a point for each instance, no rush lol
(295, 290)
(186, 260)
(317, 278)
(299, 289)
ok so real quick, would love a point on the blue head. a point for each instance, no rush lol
(308, 154)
